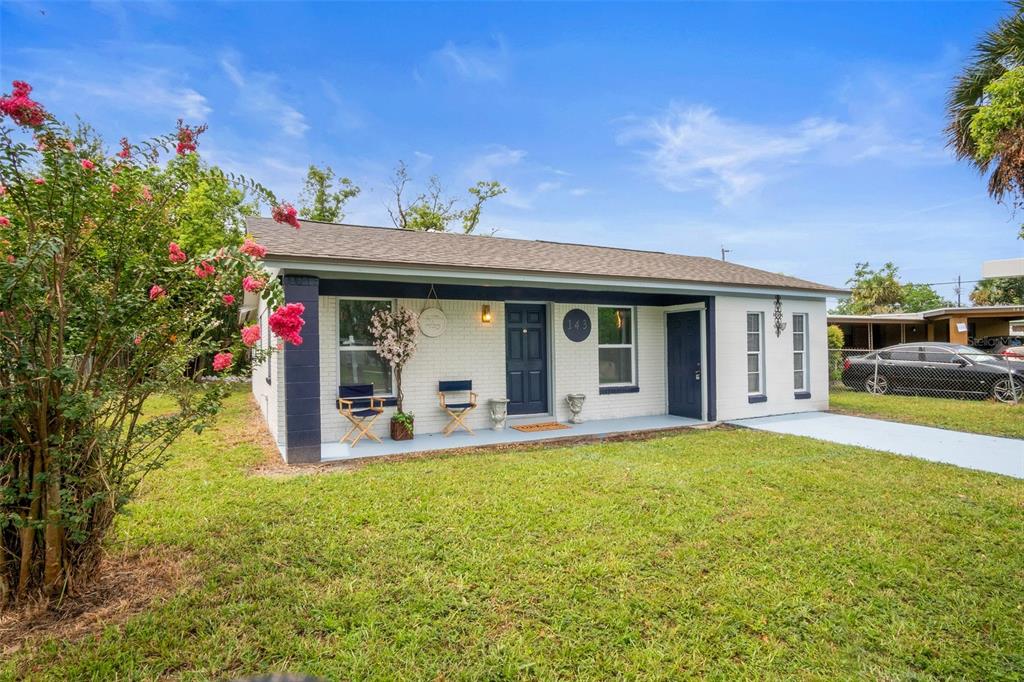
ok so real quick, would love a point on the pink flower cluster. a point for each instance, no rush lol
(286, 213)
(222, 361)
(204, 270)
(4, 220)
(88, 165)
(156, 291)
(250, 335)
(146, 194)
(228, 299)
(287, 322)
(19, 106)
(126, 149)
(175, 254)
(187, 137)
(253, 249)
(253, 284)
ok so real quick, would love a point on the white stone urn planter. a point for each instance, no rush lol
(499, 412)
(575, 401)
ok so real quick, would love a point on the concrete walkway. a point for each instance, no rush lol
(969, 450)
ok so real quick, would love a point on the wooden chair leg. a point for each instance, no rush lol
(360, 428)
(457, 421)
(369, 425)
(349, 432)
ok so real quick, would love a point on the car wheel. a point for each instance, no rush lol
(876, 384)
(1005, 392)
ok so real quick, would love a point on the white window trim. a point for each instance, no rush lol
(805, 364)
(631, 346)
(760, 353)
(345, 349)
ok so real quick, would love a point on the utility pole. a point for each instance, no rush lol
(725, 251)
(957, 290)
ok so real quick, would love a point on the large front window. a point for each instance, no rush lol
(616, 346)
(358, 362)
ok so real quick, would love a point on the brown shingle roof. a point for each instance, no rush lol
(382, 245)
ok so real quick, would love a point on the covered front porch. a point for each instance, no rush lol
(490, 438)
(531, 347)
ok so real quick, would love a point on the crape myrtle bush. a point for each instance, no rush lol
(100, 309)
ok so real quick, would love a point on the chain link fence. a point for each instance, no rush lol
(946, 371)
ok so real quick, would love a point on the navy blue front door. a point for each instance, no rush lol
(684, 370)
(526, 358)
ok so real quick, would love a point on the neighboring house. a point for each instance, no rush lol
(655, 333)
(954, 325)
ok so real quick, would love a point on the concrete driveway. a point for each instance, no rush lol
(970, 450)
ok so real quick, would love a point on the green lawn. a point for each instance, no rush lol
(977, 416)
(721, 553)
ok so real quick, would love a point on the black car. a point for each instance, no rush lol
(935, 369)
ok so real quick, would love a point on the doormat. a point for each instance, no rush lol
(543, 426)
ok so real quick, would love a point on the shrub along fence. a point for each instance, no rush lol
(937, 371)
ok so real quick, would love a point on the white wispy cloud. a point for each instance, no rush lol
(258, 93)
(894, 115)
(273, 166)
(473, 63)
(423, 160)
(343, 113)
(691, 148)
(490, 164)
(147, 89)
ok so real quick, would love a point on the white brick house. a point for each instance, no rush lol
(639, 333)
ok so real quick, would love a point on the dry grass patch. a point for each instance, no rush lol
(125, 584)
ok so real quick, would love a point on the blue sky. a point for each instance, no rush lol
(803, 137)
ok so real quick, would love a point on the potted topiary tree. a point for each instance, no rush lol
(394, 339)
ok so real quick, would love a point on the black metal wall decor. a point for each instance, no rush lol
(780, 326)
(576, 325)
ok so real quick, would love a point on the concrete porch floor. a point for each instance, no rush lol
(432, 442)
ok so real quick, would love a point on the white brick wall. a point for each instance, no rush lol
(731, 366)
(469, 349)
(270, 397)
(575, 367)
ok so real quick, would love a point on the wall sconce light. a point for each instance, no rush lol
(485, 314)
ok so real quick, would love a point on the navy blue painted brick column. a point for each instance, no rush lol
(302, 374)
(712, 368)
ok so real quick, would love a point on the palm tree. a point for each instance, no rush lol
(999, 51)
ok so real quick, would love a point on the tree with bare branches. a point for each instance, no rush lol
(431, 210)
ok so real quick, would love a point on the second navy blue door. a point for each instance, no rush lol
(685, 395)
(526, 358)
